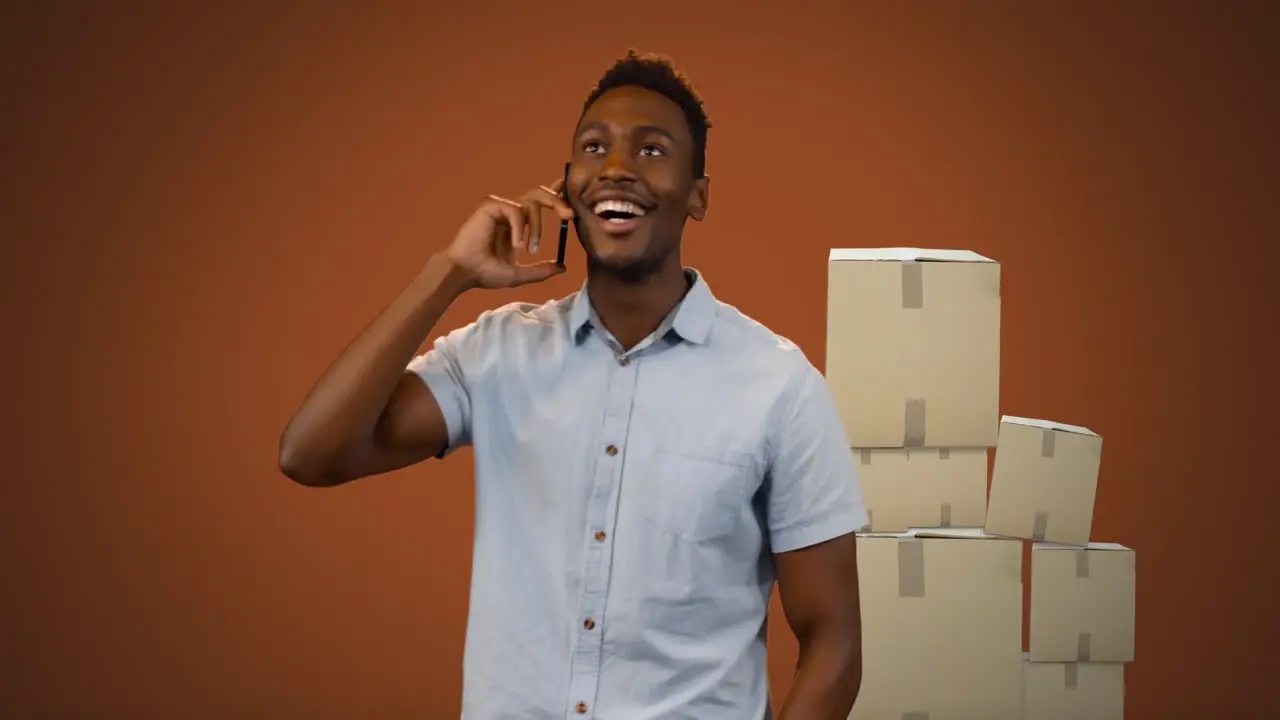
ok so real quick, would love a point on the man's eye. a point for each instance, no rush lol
(653, 150)
(591, 147)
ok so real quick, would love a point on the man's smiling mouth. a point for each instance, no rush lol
(618, 217)
(617, 211)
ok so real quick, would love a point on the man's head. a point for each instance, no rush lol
(638, 166)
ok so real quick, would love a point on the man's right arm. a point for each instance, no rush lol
(371, 412)
(367, 414)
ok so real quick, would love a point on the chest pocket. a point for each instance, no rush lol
(698, 492)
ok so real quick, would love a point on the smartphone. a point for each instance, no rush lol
(564, 224)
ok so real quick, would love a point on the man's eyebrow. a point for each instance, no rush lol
(638, 130)
(655, 130)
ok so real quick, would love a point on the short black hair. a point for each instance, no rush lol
(658, 74)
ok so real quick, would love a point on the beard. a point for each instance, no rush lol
(629, 270)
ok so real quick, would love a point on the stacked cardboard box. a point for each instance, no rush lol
(941, 626)
(1083, 593)
(913, 361)
(1073, 691)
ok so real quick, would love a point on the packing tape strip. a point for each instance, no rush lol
(944, 454)
(913, 299)
(915, 716)
(913, 417)
(1084, 647)
(1041, 526)
(1071, 671)
(946, 515)
(1048, 441)
(910, 567)
(1082, 564)
(865, 457)
(912, 285)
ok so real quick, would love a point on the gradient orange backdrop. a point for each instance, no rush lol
(206, 201)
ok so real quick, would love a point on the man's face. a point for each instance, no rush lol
(631, 182)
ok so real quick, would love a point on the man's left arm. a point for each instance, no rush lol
(815, 506)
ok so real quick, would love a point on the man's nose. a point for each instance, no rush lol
(618, 164)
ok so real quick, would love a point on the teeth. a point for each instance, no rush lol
(618, 206)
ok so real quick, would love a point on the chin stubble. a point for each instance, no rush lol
(631, 271)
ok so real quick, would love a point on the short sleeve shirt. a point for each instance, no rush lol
(629, 503)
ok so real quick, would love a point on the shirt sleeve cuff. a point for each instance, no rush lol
(444, 390)
(821, 530)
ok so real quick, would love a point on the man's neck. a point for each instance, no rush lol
(631, 310)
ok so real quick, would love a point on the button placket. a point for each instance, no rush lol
(588, 647)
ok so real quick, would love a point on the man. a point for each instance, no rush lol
(647, 458)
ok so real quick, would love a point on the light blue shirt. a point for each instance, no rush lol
(628, 505)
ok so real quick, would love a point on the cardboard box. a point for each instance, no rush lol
(1043, 481)
(1073, 691)
(923, 488)
(941, 626)
(913, 346)
(1083, 603)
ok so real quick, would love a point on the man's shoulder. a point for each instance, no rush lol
(521, 320)
(524, 313)
(747, 336)
(754, 355)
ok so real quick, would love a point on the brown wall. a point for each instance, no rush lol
(207, 204)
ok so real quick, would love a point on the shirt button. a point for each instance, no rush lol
(600, 536)
(581, 708)
(589, 624)
(625, 361)
(611, 450)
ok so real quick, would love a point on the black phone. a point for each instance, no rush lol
(564, 224)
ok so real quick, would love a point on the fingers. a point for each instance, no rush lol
(510, 213)
(552, 194)
(525, 217)
(534, 201)
(525, 274)
(555, 187)
(503, 224)
(518, 225)
(533, 213)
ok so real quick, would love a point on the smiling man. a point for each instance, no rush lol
(648, 460)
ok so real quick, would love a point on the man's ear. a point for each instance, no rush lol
(698, 198)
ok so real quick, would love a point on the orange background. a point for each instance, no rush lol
(206, 203)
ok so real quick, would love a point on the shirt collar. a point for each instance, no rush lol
(691, 319)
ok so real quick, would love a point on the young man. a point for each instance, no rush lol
(647, 458)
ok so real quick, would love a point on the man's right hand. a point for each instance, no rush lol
(487, 244)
